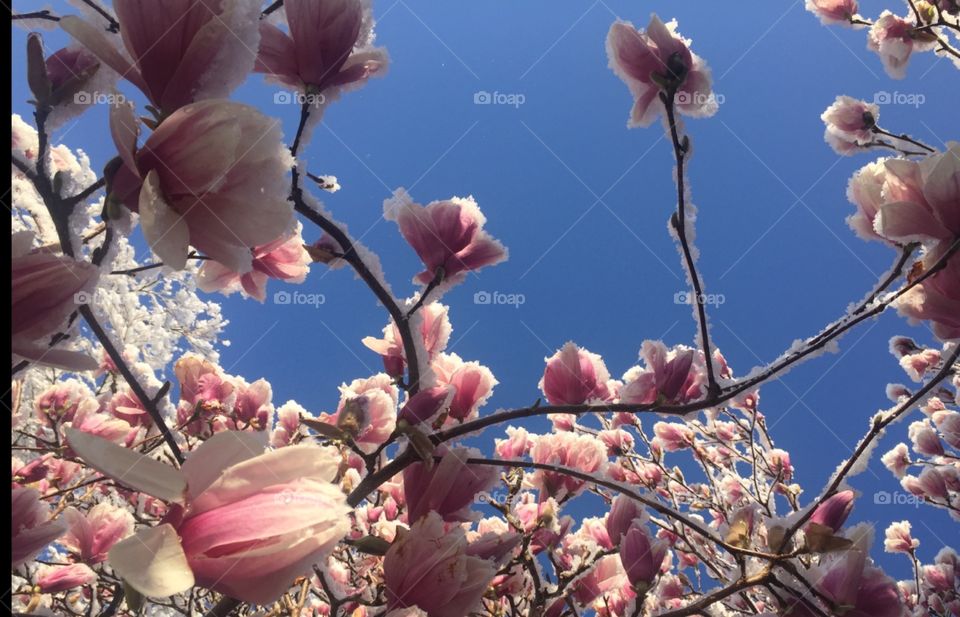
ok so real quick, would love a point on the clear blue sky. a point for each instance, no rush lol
(582, 203)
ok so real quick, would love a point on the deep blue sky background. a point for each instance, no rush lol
(583, 203)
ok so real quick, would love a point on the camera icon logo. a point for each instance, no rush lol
(282, 97)
(881, 498)
(682, 297)
(482, 297)
(281, 297)
(82, 297)
(482, 97)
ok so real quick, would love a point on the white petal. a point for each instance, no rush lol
(153, 562)
(166, 231)
(206, 463)
(132, 469)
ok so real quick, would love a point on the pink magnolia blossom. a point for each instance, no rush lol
(375, 400)
(833, 12)
(948, 423)
(673, 436)
(240, 523)
(848, 124)
(584, 453)
(45, 290)
(516, 445)
(925, 439)
(32, 529)
(182, 50)
(863, 590)
(834, 510)
(125, 405)
(288, 424)
(922, 199)
(471, 382)
(642, 556)
(624, 511)
(62, 401)
(897, 460)
(429, 567)
(574, 376)
(426, 404)
(648, 60)
(446, 235)
(92, 534)
(435, 329)
(894, 40)
(448, 487)
(284, 259)
(212, 175)
(937, 300)
(898, 539)
(328, 48)
(60, 578)
(669, 376)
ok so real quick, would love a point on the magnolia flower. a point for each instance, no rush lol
(92, 534)
(425, 404)
(922, 199)
(212, 175)
(863, 590)
(849, 123)
(367, 411)
(574, 376)
(833, 12)
(669, 376)
(894, 39)
(182, 50)
(448, 488)
(936, 299)
(435, 330)
(240, 523)
(642, 556)
(284, 259)
(471, 382)
(328, 48)
(834, 510)
(657, 60)
(898, 539)
(583, 453)
(865, 191)
(430, 567)
(46, 288)
(32, 528)
(448, 236)
(60, 578)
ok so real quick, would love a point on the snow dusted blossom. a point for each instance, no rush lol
(367, 410)
(833, 12)
(212, 175)
(655, 60)
(471, 382)
(893, 38)
(328, 47)
(669, 376)
(448, 236)
(898, 538)
(178, 52)
(574, 376)
(581, 452)
(284, 259)
(849, 123)
(435, 330)
(897, 460)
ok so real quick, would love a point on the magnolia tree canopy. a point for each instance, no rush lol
(146, 479)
